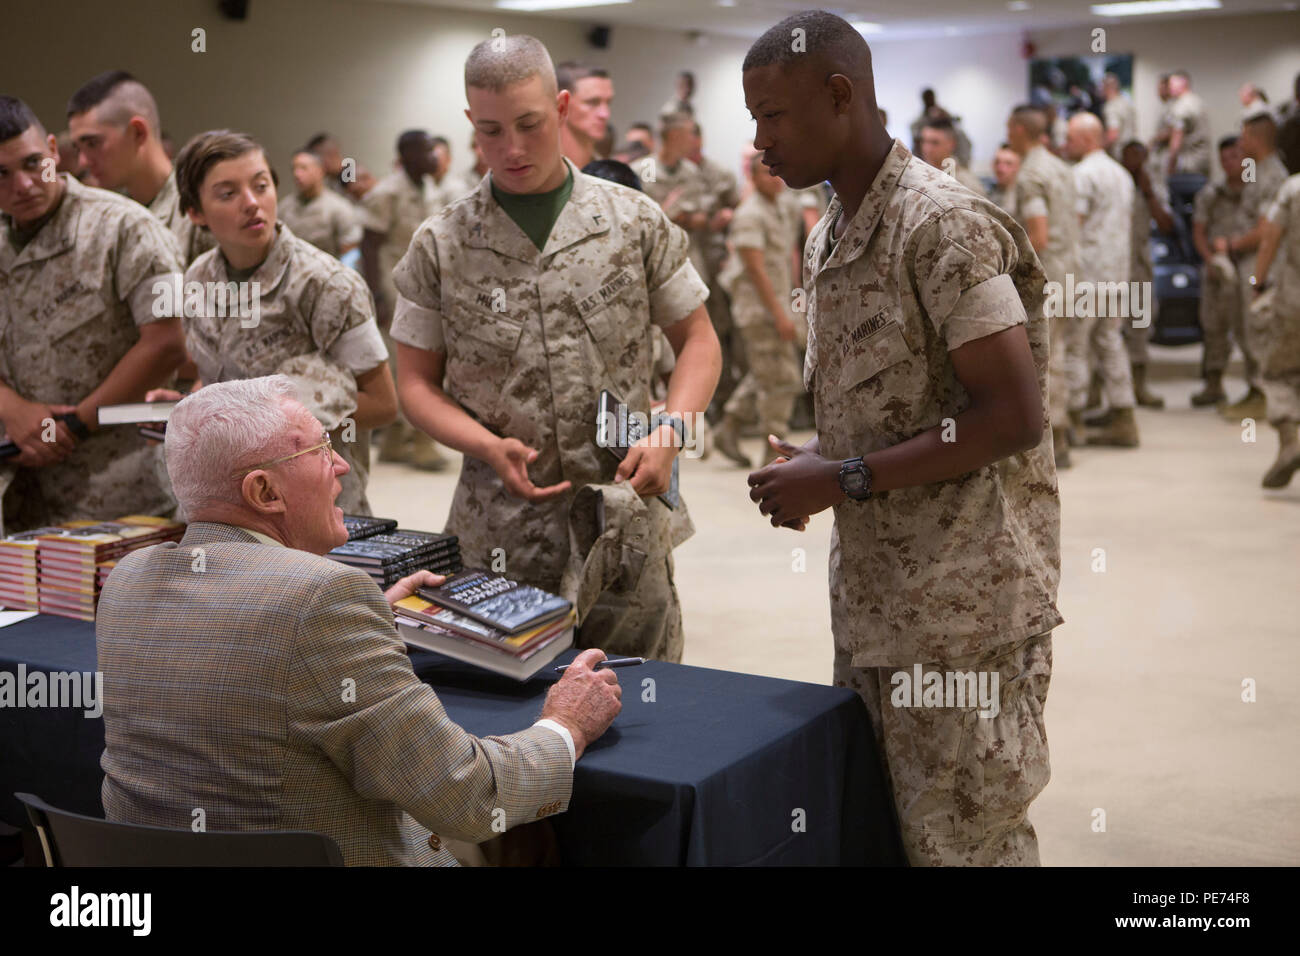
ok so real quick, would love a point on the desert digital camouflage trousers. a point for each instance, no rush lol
(963, 782)
(773, 378)
(1057, 382)
(1099, 339)
(1273, 326)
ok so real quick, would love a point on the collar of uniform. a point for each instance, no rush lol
(858, 231)
(167, 195)
(582, 216)
(60, 233)
(276, 263)
(494, 229)
(214, 532)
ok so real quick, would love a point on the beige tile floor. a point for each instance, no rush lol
(1145, 716)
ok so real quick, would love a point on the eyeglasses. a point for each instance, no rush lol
(326, 444)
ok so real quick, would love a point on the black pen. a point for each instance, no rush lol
(609, 662)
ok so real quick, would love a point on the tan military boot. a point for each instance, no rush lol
(1252, 405)
(1288, 458)
(726, 439)
(1060, 447)
(1145, 398)
(1213, 392)
(1100, 419)
(1122, 432)
(394, 446)
(1074, 432)
(424, 452)
(1094, 391)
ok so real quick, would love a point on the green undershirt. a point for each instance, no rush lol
(535, 213)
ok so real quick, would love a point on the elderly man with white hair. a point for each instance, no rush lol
(250, 678)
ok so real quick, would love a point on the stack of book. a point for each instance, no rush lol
(391, 554)
(69, 557)
(18, 569)
(364, 526)
(490, 621)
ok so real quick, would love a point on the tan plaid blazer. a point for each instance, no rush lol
(267, 688)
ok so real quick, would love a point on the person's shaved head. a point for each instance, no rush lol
(1025, 128)
(504, 61)
(1083, 134)
(1031, 119)
(818, 41)
(1259, 136)
(117, 97)
(808, 85)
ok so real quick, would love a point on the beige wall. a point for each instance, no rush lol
(366, 71)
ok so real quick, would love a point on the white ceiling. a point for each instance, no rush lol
(902, 19)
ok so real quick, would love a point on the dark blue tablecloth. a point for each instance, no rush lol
(711, 768)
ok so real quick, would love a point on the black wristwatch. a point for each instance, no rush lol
(678, 425)
(855, 479)
(76, 425)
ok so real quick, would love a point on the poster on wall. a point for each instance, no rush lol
(1073, 83)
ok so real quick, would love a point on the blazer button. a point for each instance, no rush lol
(435, 842)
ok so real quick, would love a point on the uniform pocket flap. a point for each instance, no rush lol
(494, 328)
(873, 353)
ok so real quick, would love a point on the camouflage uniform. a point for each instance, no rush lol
(530, 341)
(394, 208)
(684, 188)
(956, 572)
(1256, 200)
(71, 303)
(1280, 364)
(772, 377)
(613, 560)
(328, 221)
(1220, 209)
(1121, 115)
(317, 325)
(721, 191)
(1004, 199)
(1105, 196)
(968, 179)
(1188, 114)
(1045, 187)
(166, 207)
(1140, 270)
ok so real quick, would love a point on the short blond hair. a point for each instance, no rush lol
(503, 61)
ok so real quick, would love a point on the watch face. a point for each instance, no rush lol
(853, 480)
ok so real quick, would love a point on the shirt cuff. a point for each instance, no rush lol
(983, 309)
(416, 326)
(563, 732)
(360, 349)
(678, 297)
(147, 299)
(1034, 207)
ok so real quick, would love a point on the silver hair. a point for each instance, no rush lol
(503, 61)
(220, 428)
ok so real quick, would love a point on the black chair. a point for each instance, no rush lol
(1177, 290)
(70, 839)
